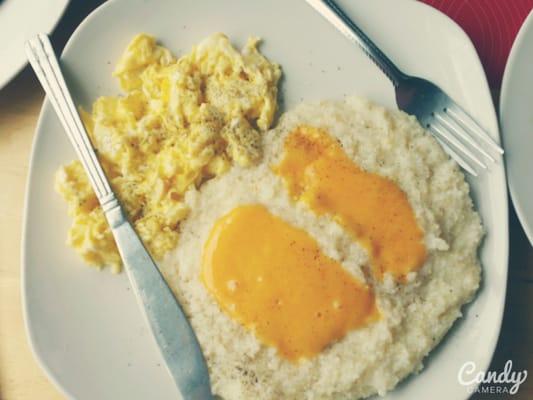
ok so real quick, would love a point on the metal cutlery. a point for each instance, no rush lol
(458, 133)
(168, 323)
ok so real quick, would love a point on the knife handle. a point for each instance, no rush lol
(170, 327)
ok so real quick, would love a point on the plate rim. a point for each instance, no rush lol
(25, 221)
(496, 134)
(504, 98)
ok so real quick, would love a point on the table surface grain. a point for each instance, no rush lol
(20, 376)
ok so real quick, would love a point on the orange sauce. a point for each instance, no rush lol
(273, 278)
(372, 208)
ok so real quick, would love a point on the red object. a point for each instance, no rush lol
(492, 26)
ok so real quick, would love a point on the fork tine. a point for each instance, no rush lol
(450, 123)
(460, 115)
(452, 140)
(455, 156)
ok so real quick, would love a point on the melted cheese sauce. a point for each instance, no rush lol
(273, 278)
(371, 207)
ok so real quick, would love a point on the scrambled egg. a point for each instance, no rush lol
(180, 122)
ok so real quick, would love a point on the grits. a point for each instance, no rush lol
(415, 314)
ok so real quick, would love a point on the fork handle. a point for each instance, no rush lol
(334, 14)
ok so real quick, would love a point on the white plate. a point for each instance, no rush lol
(516, 117)
(85, 326)
(19, 21)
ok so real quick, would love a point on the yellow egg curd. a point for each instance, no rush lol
(273, 278)
(178, 123)
(372, 208)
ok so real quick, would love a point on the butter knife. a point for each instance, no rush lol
(169, 325)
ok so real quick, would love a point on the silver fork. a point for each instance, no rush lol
(458, 133)
(168, 323)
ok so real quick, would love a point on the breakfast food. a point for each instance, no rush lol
(347, 195)
(323, 259)
(179, 123)
(281, 285)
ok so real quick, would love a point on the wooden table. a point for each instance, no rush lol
(20, 376)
